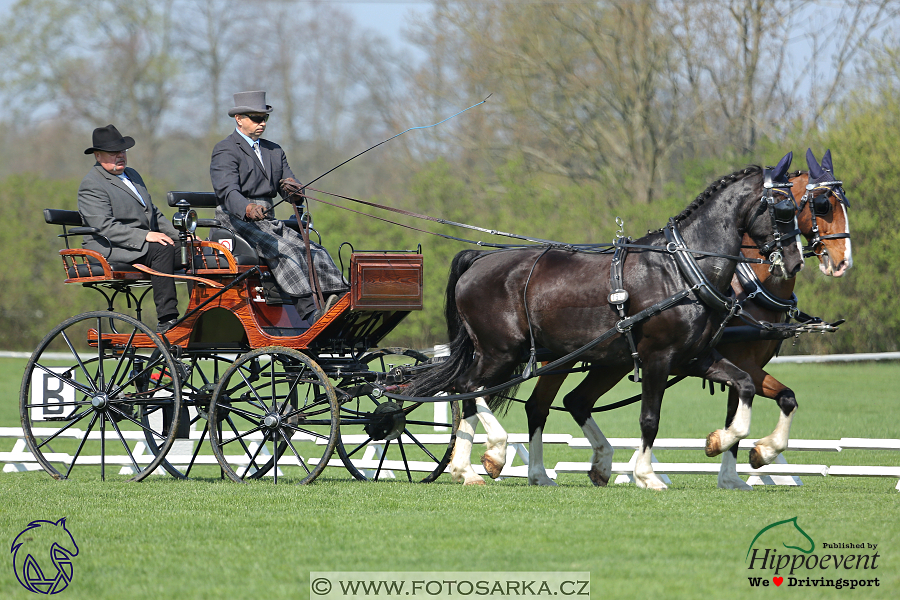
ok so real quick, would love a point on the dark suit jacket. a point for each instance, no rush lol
(237, 175)
(105, 202)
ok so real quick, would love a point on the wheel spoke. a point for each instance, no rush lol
(125, 445)
(420, 445)
(69, 424)
(383, 456)
(294, 450)
(405, 462)
(81, 445)
(240, 439)
(81, 388)
(78, 360)
(259, 449)
(197, 449)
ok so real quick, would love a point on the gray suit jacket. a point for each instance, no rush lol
(105, 202)
(237, 175)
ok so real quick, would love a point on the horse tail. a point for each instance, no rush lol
(461, 263)
(442, 377)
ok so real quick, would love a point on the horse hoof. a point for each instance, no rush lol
(756, 458)
(543, 481)
(713, 444)
(474, 481)
(598, 478)
(492, 466)
(653, 483)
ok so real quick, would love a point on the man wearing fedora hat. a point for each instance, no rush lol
(113, 199)
(246, 173)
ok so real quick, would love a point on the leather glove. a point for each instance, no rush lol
(290, 187)
(255, 212)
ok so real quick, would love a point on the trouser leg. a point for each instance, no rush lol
(161, 258)
(305, 305)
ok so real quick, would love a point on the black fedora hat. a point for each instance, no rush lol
(249, 102)
(108, 139)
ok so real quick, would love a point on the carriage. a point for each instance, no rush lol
(241, 386)
(244, 385)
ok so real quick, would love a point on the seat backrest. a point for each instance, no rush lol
(56, 216)
(195, 199)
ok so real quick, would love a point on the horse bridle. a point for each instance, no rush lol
(783, 214)
(819, 205)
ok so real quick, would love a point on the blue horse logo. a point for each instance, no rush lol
(30, 552)
(787, 533)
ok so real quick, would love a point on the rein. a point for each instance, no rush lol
(295, 189)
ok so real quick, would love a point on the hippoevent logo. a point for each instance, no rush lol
(782, 553)
(42, 556)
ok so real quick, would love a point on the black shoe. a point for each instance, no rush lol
(164, 326)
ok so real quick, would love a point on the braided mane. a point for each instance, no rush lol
(714, 187)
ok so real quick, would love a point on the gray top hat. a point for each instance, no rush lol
(249, 102)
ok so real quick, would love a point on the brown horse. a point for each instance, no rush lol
(823, 220)
(499, 303)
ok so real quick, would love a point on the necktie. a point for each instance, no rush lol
(132, 188)
(258, 155)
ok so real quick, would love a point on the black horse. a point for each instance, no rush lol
(501, 304)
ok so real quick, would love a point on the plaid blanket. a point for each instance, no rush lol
(284, 252)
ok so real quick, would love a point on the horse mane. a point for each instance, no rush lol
(714, 187)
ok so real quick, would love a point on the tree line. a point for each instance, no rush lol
(597, 110)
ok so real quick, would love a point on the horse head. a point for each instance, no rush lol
(772, 221)
(823, 217)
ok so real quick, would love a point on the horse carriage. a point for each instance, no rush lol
(243, 385)
(242, 382)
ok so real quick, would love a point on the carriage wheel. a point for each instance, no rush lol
(382, 439)
(80, 404)
(199, 376)
(274, 412)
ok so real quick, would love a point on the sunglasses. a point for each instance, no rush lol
(257, 118)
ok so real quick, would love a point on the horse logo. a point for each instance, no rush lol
(785, 533)
(39, 538)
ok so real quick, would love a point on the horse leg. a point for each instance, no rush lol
(494, 459)
(579, 403)
(728, 476)
(461, 470)
(653, 386)
(768, 448)
(538, 408)
(738, 426)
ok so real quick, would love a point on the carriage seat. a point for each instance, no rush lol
(244, 253)
(73, 225)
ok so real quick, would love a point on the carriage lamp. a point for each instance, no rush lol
(185, 221)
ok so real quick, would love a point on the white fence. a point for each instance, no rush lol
(779, 473)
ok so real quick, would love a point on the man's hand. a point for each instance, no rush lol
(160, 238)
(290, 187)
(255, 212)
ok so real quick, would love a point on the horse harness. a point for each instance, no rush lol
(819, 207)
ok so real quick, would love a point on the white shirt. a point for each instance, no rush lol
(132, 188)
(254, 145)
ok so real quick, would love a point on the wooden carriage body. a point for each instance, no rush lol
(228, 308)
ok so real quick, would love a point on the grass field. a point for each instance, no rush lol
(215, 539)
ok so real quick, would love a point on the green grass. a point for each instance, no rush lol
(215, 539)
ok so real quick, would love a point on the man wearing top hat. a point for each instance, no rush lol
(114, 199)
(246, 173)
